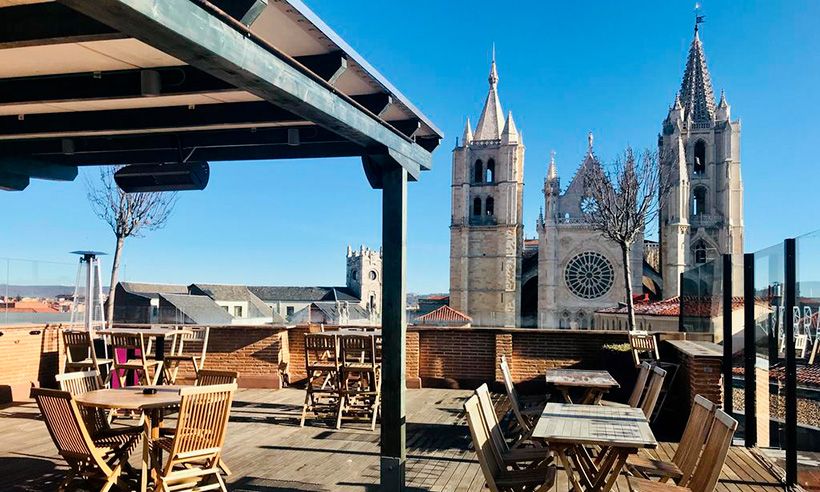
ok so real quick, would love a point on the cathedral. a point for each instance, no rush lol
(571, 270)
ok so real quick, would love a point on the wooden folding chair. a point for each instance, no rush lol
(498, 477)
(687, 453)
(80, 354)
(97, 420)
(210, 377)
(127, 343)
(525, 416)
(360, 387)
(195, 449)
(644, 369)
(653, 390)
(322, 368)
(709, 466)
(89, 458)
(643, 343)
(517, 454)
(196, 337)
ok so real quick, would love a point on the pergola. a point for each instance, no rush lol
(178, 82)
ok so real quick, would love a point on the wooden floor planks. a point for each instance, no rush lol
(268, 451)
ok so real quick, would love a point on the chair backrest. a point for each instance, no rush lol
(653, 391)
(201, 425)
(67, 429)
(210, 377)
(357, 349)
(640, 384)
(77, 343)
(491, 420)
(714, 454)
(643, 342)
(80, 382)
(482, 443)
(694, 435)
(513, 395)
(319, 348)
(197, 335)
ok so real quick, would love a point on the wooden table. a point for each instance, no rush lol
(571, 430)
(596, 383)
(132, 398)
(160, 334)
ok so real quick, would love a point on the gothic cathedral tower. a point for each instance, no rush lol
(700, 148)
(486, 230)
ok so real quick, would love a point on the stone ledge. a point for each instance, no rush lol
(697, 349)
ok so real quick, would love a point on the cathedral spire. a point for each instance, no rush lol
(510, 133)
(552, 171)
(696, 93)
(468, 133)
(492, 117)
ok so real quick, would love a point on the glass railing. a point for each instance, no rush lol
(34, 291)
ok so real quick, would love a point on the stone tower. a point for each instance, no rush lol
(486, 230)
(364, 277)
(700, 150)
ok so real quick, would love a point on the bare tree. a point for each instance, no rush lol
(128, 214)
(624, 198)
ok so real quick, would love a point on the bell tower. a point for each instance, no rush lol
(700, 150)
(486, 229)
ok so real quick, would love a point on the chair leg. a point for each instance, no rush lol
(224, 468)
(308, 399)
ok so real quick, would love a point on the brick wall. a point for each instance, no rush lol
(535, 351)
(701, 376)
(30, 355)
(454, 357)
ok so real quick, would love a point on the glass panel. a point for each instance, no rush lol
(807, 320)
(35, 291)
(701, 299)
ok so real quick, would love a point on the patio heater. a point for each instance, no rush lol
(88, 273)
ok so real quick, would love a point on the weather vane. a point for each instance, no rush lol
(699, 19)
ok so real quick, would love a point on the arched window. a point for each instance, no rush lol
(700, 252)
(477, 206)
(478, 171)
(489, 207)
(490, 174)
(700, 157)
(699, 201)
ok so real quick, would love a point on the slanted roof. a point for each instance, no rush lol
(445, 315)
(202, 310)
(331, 310)
(302, 294)
(151, 290)
(88, 83)
(234, 293)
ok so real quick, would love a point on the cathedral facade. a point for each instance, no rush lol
(571, 270)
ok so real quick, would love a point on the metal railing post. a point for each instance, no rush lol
(749, 352)
(791, 361)
(727, 333)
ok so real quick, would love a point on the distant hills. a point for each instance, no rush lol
(44, 291)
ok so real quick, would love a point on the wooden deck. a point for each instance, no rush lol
(268, 451)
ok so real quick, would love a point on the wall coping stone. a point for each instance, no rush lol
(697, 349)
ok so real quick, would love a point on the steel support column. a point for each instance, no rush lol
(790, 280)
(727, 333)
(394, 324)
(749, 352)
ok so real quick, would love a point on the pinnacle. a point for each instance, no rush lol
(696, 94)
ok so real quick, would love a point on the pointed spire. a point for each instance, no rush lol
(552, 171)
(697, 97)
(492, 116)
(468, 133)
(510, 133)
(723, 103)
(677, 106)
(590, 139)
(724, 111)
(541, 216)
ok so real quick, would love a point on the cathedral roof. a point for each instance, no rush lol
(490, 124)
(696, 93)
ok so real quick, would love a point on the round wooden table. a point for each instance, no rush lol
(132, 398)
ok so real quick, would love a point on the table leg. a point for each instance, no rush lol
(156, 422)
(565, 393)
(620, 461)
(568, 468)
(145, 467)
(158, 379)
(602, 473)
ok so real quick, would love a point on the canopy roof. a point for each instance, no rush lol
(85, 82)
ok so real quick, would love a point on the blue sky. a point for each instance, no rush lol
(565, 69)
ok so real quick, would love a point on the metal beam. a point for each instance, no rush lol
(146, 120)
(394, 323)
(328, 66)
(245, 11)
(376, 103)
(49, 23)
(189, 33)
(408, 127)
(728, 351)
(119, 84)
(243, 144)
